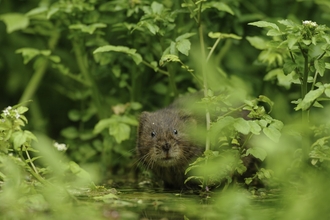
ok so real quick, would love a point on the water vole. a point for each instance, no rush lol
(165, 146)
(169, 140)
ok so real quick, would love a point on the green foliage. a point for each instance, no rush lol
(91, 66)
(230, 134)
(305, 52)
(23, 180)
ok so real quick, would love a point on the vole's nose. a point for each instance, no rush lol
(166, 147)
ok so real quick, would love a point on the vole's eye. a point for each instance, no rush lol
(175, 131)
(153, 134)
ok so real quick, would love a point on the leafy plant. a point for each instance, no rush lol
(22, 177)
(232, 152)
(298, 53)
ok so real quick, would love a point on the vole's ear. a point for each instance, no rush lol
(144, 116)
(142, 120)
(188, 119)
(192, 122)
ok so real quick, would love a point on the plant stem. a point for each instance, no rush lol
(191, 12)
(205, 83)
(40, 71)
(316, 73)
(233, 110)
(174, 90)
(33, 172)
(305, 86)
(223, 51)
(30, 161)
(247, 139)
(155, 68)
(305, 113)
(82, 61)
(34, 82)
(213, 48)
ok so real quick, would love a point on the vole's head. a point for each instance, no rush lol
(163, 138)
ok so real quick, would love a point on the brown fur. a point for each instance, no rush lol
(163, 145)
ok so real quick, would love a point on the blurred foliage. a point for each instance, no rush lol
(90, 67)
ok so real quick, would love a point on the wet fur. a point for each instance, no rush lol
(168, 151)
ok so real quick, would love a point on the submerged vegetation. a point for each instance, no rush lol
(81, 71)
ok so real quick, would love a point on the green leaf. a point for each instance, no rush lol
(103, 124)
(22, 109)
(193, 178)
(258, 42)
(184, 36)
(5, 125)
(55, 59)
(74, 115)
(156, 7)
(264, 24)
(277, 124)
(222, 123)
(15, 21)
(265, 99)
(52, 11)
(153, 28)
(248, 180)
(37, 11)
(327, 92)
(219, 5)
(327, 66)
(172, 48)
(274, 32)
(74, 168)
(242, 126)
(292, 40)
(240, 168)
(183, 46)
(257, 152)
(169, 58)
(289, 66)
(288, 23)
(254, 127)
(90, 29)
(264, 173)
(79, 172)
(272, 133)
(320, 66)
(309, 98)
(131, 52)
(30, 135)
(19, 138)
(316, 104)
(223, 35)
(33, 159)
(283, 80)
(119, 131)
(273, 74)
(28, 54)
(70, 132)
(135, 105)
(128, 120)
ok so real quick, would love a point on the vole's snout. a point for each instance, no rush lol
(166, 147)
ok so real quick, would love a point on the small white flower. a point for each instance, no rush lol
(6, 111)
(310, 23)
(60, 147)
(17, 115)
